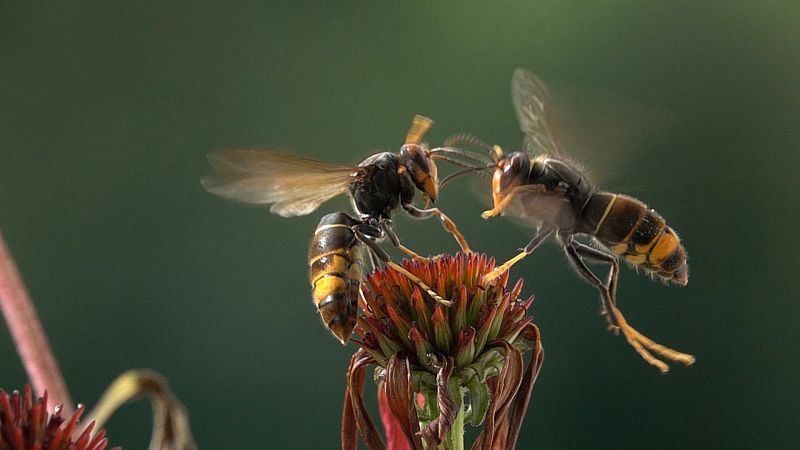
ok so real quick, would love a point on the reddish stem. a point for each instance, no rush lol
(28, 334)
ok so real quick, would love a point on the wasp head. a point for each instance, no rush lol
(511, 170)
(422, 169)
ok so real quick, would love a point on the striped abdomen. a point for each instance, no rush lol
(335, 267)
(637, 234)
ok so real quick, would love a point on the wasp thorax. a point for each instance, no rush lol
(421, 168)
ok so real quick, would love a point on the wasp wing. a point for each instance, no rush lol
(419, 127)
(532, 105)
(598, 131)
(532, 205)
(295, 186)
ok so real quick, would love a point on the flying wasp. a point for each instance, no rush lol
(378, 185)
(550, 192)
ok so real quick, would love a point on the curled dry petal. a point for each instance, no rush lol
(171, 429)
(398, 389)
(395, 437)
(501, 430)
(526, 388)
(436, 431)
(502, 388)
(354, 410)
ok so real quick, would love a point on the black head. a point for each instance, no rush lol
(422, 169)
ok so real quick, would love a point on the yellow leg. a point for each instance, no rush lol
(498, 207)
(537, 240)
(447, 223)
(501, 269)
(451, 227)
(641, 343)
(419, 283)
(411, 253)
(644, 345)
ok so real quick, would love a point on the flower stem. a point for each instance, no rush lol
(28, 334)
(455, 438)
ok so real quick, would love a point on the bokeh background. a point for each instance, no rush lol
(107, 110)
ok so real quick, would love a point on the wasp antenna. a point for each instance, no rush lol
(451, 161)
(461, 173)
(448, 150)
(467, 139)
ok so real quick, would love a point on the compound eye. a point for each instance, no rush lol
(421, 168)
(511, 171)
(422, 162)
(416, 158)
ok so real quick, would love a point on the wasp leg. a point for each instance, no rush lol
(375, 249)
(386, 226)
(610, 301)
(498, 207)
(641, 343)
(447, 223)
(373, 260)
(537, 240)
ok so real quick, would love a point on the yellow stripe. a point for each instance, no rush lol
(344, 252)
(342, 275)
(666, 244)
(605, 213)
(646, 248)
(330, 225)
(327, 286)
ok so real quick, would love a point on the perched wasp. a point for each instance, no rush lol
(558, 198)
(296, 186)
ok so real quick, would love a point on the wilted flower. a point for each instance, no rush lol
(26, 424)
(442, 366)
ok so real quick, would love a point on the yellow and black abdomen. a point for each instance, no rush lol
(335, 269)
(637, 234)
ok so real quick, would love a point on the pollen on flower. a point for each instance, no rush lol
(26, 424)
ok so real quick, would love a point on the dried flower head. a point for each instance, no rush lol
(438, 366)
(26, 425)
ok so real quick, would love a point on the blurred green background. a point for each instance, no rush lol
(107, 110)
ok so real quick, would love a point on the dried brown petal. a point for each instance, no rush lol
(171, 429)
(354, 410)
(503, 388)
(395, 437)
(399, 389)
(436, 431)
(526, 388)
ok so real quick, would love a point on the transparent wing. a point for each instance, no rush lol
(532, 105)
(295, 186)
(419, 126)
(532, 205)
(604, 134)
